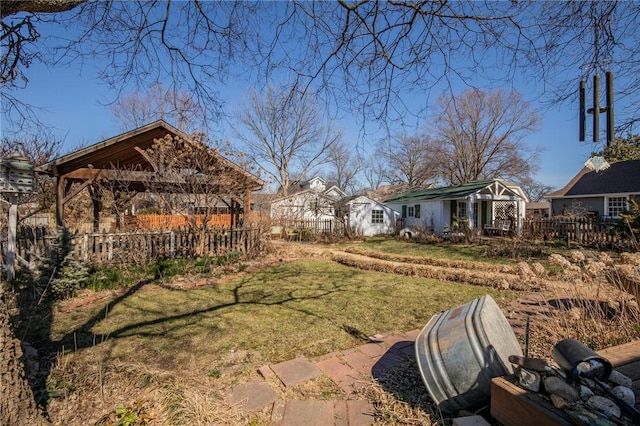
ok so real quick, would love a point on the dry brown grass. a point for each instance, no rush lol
(421, 260)
(400, 398)
(473, 274)
(591, 305)
(165, 397)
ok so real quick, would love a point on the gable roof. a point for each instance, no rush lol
(320, 195)
(302, 187)
(126, 151)
(448, 192)
(622, 177)
(360, 199)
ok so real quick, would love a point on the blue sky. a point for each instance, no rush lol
(72, 105)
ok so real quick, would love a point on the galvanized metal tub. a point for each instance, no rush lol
(460, 350)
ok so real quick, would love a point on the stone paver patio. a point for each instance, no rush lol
(349, 369)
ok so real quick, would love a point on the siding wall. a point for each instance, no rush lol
(360, 218)
(432, 214)
(588, 203)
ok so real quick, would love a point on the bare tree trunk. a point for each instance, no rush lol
(17, 405)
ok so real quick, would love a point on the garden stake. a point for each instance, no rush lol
(526, 337)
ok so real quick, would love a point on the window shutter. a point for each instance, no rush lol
(417, 214)
(404, 212)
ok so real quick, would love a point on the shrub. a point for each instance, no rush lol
(60, 276)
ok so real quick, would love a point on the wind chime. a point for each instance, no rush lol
(597, 163)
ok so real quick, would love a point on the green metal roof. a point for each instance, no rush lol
(443, 193)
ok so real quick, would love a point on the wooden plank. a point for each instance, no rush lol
(622, 354)
(631, 370)
(512, 405)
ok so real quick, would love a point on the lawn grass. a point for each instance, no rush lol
(114, 277)
(282, 311)
(473, 252)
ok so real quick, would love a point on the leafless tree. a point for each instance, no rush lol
(140, 108)
(360, 55)
(588, 38)
(345, 164)
(373, 171)
(285, 135)
(536, 191)
(198, 176)
(480, 136)
(409, 160)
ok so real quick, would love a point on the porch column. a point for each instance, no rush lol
(470, 223)
(520, 206)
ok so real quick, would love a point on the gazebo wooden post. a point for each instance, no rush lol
(96, 202)
(60, 192)
(235, 213)
(247, 207)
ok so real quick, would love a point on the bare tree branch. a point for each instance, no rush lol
(409, 160)
(285, 134)
(480, 136)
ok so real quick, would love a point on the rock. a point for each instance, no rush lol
(29, 351)
(556, 386)
(529, 380)
(618, 378)
(585, 392)
(376, 338)
(559, 402)
(583, 417)
(625, 394)
(604, 405)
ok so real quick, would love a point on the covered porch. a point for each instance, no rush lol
(494, 208)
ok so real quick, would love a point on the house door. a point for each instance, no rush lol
(484, 213)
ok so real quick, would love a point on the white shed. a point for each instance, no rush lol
(367, 217)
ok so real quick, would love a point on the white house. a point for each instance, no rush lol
(473, 205)
(310, 200)
(367, 217)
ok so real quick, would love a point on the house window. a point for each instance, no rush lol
(410, 211)
(462, 209)
(377, 216)
(417, 211)
(615, 205)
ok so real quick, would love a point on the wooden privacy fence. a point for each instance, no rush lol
(585, 231)
(163, 222)
(140, 246)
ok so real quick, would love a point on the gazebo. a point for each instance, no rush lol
(127, 159)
